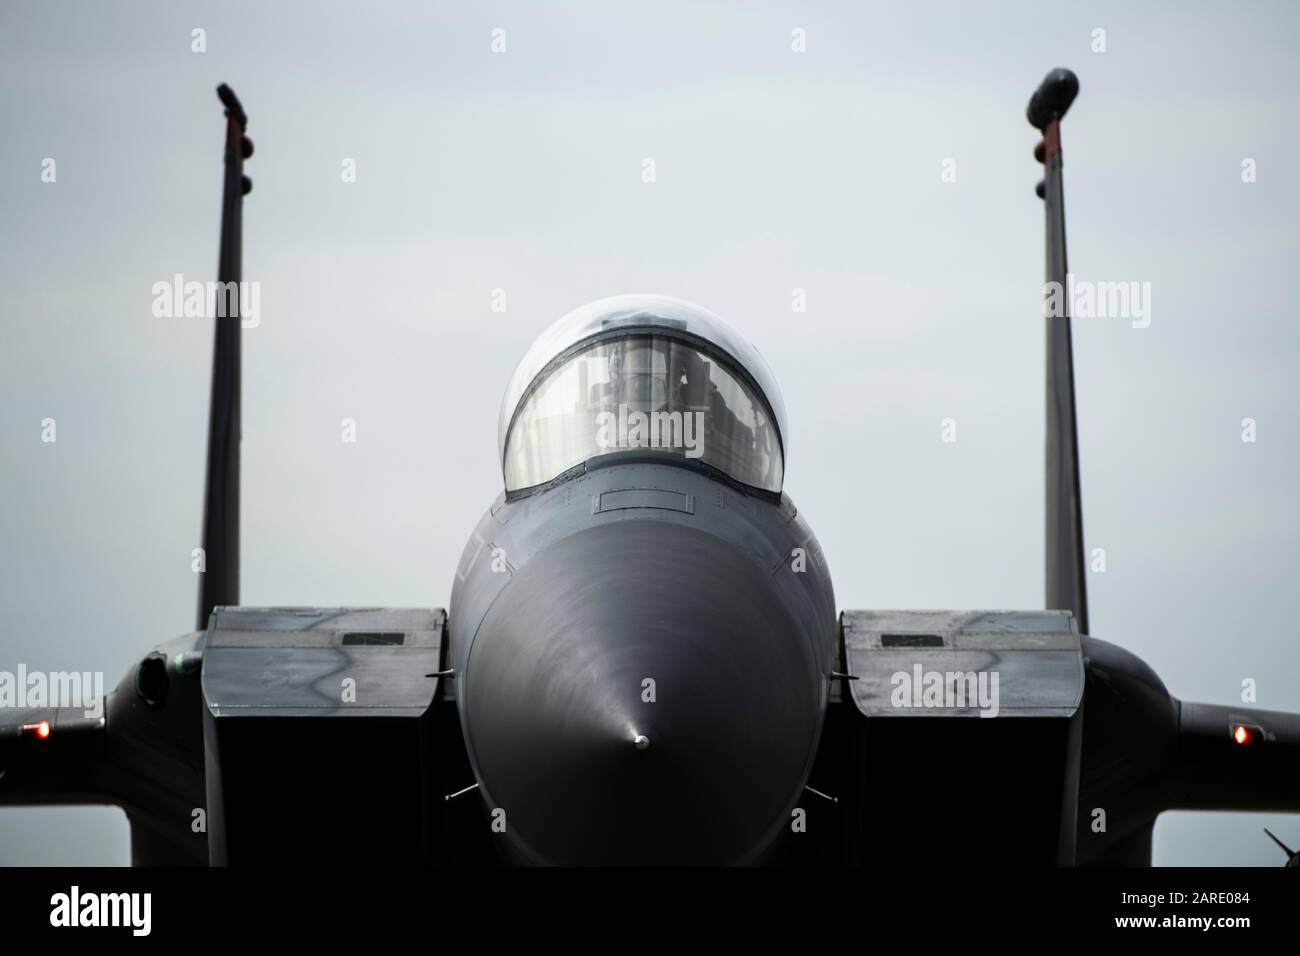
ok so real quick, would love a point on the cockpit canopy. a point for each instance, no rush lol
(642, 373)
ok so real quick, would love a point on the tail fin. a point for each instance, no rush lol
(1066, 587)
(220, 580)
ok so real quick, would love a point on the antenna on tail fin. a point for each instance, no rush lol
(1063, 537)
(219, 584)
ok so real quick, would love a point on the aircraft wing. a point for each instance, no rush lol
(1012, 729)
(276, 731)
(51, 755)
(138, 747)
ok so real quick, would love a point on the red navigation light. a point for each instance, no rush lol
(40, 729)
(1241, 735)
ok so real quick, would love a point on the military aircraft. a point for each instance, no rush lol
(643, 662)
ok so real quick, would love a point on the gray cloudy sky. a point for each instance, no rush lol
(776, 171)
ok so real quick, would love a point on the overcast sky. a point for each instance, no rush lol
(775, 171)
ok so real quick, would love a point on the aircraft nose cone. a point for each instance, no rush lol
(641, 695)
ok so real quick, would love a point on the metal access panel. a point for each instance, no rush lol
(937, 778)
(1036, 657)
(319, 734)
(298, 662)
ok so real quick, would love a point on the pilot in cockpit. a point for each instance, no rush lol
(621, 385)
(657, 375)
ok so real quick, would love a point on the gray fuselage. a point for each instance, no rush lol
(642, 650)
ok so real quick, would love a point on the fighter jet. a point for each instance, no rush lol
(643, 661)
